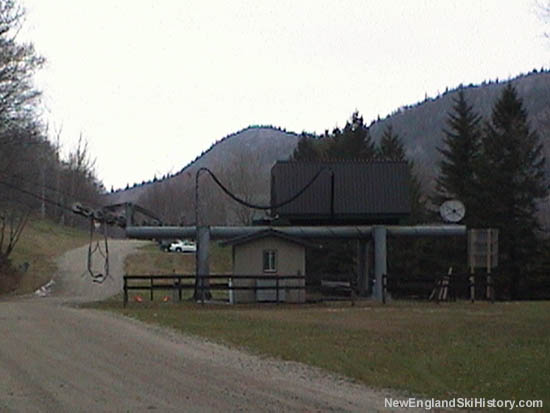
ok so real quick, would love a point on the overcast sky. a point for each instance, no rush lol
(152, 83)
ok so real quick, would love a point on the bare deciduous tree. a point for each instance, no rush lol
(18, 63)
(12, 223)
(246, 179)
(79, 176)
(172, 200)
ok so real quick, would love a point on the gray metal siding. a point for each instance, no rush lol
(360, 188)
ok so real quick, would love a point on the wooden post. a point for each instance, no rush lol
(434, 290)
(444, 289)
(472, 288)
(490, 289)
(489, 286)
(125, 291)
(351, 291)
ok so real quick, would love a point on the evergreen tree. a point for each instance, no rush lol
(512, 178)
(353, 142)
(460, 155)
(306, 150)
(407, 255)
(391, 148)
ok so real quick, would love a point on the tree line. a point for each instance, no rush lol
(495, 166)
(34, 176)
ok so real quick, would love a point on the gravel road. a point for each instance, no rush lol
(55, 357)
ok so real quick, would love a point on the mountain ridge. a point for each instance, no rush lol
(247, 138)
(430, 115)
(419, 126)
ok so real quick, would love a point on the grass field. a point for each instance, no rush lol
(151, 260)
(457, 349)
(40, 243)
(448, 350)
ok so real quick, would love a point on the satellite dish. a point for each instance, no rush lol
(452, 210)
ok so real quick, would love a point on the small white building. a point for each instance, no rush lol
(266, 254)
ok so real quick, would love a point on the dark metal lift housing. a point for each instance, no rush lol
(378, 234)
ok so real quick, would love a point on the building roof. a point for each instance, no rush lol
(362, 191)
(266, 234)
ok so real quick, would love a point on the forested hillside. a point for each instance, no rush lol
(242, 160)
(420, 126)
(250, 153)
(495, 165)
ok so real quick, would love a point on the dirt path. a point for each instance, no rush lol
(57, 358)
(73, 280)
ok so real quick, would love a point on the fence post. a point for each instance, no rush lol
(490, 289)
(151, 290)
(472, 288)
(384, 287)
(351, 291)
(179, 289)
(125, 291)
(444, 289)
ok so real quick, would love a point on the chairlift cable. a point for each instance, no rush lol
(100, 277)
(50, 188)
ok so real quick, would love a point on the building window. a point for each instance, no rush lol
(270, 261)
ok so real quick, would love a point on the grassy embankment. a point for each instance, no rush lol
(449, 350)
(40, 243)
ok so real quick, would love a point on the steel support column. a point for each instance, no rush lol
(380, 259)
(362, 267)
(202, 265)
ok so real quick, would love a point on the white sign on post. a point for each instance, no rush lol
(483, 248)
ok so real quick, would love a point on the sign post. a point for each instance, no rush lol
(483, 253)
